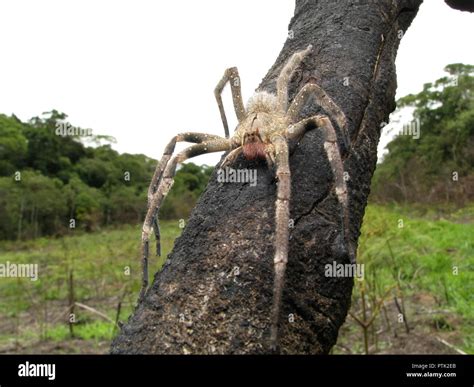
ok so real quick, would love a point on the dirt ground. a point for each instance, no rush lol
(431, 331)
(73, 346)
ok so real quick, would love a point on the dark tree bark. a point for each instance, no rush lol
(199, 302)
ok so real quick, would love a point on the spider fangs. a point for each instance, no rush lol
(252, 146)
(264, 129)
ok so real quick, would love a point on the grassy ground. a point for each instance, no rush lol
(423, 262)
(105, 268)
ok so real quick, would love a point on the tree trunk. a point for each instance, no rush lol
(214, 294)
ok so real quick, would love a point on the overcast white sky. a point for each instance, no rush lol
(144, 70)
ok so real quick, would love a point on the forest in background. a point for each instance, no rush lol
(51, 181)
(438, 166)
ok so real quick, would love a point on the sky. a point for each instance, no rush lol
(144, 70)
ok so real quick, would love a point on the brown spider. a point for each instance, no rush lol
(265, 127)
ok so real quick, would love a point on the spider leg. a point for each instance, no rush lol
(270, 155)
(155, 181)
(231, 157)
(285, 76)
(231, 75)
(282, 217)
(335, 160)
(331, 108)
(166, 181)
(192, 137)
(156, 229)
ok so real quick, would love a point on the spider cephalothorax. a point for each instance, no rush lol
(266, 125)
(263, 120)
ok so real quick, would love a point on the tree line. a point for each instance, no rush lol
(435, 165)
(52, 182)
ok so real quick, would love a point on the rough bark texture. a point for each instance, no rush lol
(200, 302)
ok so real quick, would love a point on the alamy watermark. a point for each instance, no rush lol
(347, 270)
(230, 175)
(28, 369)
(66, 129)
(19, 270)
(412, 128)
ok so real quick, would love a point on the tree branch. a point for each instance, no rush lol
(461, 5)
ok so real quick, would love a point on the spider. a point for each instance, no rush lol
(265, 127)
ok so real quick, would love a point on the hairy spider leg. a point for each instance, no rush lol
(231, 157)
(334, 156)
(322, 99)
(282, 217)
(165, 183)
(231, 75)
(285, 76)
(192, 137)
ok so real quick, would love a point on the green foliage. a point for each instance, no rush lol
(105, 264)
(13, 145)
(426, 169)
(424, 256)
(96, 330)
(63, 179)
(95, 172)
(31, 205)
(190, 182)
(125, 206)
